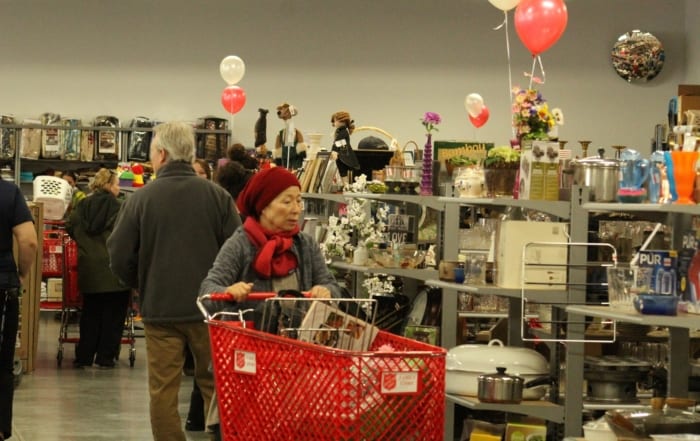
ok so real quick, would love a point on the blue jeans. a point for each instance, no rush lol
(9, 321)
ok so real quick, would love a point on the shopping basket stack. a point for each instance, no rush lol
(271, 387)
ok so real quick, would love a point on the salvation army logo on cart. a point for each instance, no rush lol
(399, 383)
(244, 362)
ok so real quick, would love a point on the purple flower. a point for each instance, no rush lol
(430, 120)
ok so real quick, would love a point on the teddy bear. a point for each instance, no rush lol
(290, 149)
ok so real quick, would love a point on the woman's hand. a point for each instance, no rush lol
(334, 155)
(320, 292)
(239, 291)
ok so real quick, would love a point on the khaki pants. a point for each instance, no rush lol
(165, 348)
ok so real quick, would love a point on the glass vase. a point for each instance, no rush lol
(426, 183)
(684, 175)
(500, 181)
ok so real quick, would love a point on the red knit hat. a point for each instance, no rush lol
(262, 188)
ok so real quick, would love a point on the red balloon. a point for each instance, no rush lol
(540, 23)
(480, 119)
(233, 99)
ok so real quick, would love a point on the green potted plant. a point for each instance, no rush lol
(459, 161)
(500, 170)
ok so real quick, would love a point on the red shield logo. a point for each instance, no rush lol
(240, 360)
(389, 381)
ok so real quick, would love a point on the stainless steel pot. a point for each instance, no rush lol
(500, 387)
(601, 175)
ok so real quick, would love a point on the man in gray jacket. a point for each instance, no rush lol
(166, 238)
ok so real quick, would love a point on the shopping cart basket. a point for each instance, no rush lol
(72, 303)
(271, 387)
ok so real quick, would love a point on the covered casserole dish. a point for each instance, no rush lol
(465, 363)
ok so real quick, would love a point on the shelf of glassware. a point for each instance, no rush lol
(691, 209)
(682, 320)
(427, 201)
(560, 209)
(411, 273)
(535, 408)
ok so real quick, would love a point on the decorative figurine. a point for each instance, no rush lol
(290, 149)
(342, 150)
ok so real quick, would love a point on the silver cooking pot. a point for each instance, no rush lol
(598, 173)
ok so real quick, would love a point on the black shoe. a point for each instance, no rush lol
(77, 364)
(194, 426)
(106, 365)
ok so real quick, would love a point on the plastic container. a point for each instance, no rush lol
(598, 431)
(656, 304)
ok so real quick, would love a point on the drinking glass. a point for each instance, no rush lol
(621, 287)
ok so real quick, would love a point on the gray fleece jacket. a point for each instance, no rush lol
(166, 238)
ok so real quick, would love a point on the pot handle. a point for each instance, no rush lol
(496, 341)
(540, 381)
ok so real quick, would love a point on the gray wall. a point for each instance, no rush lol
(386, 62)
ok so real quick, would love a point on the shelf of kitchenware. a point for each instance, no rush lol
(679, 325)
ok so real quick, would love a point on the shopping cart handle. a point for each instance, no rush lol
(227, 297)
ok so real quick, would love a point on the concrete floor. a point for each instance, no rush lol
(69, 404)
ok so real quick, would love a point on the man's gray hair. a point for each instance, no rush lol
(176, 138)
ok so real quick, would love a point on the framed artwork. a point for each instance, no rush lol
(408, 159)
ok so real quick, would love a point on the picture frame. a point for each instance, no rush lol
(408, 159)
(425, 334)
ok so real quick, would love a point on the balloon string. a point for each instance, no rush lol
(533, 78)
(510, 74)
(231, 140)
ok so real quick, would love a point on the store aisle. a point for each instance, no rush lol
(67, 404)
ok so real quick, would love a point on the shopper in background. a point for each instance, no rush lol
(195, 415)
(105, 297)
(233, 176)
(202, 169)
(165, 240)
(269, 253)
(77, 194)
(15, 222)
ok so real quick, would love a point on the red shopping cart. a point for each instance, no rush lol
(272, 387)
(72, 303)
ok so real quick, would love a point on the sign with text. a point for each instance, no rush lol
(400, 228)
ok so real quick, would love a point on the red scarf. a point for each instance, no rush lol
(275, 257)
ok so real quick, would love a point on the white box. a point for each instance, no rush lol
(512, 236)
(54, 289)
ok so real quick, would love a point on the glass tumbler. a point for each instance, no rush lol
(621, 287)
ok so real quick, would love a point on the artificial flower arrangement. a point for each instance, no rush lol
(430, 121)
(357, 225)
(378, 285)
(532, 117)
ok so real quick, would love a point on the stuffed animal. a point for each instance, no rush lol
(343, 152)
(261, 128)
(290, 149)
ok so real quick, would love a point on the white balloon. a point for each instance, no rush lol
(474, 104)
(505, 5)
(232, 69)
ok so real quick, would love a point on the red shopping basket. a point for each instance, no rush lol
(275, 388)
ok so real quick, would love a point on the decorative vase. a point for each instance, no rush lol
(684, 175)
(469, 181)
(360, 255)
(500, 181)
(426, 183)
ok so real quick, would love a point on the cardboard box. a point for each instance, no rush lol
(327, 325)
(688, 89)
(525, 432)
(512, 236)
(54, 289)
(539, 171)
(687, 102)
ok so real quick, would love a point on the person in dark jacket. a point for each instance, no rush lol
(15, 222)
(166, 238)
(105, 298)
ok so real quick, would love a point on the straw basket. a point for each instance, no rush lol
(55, 193)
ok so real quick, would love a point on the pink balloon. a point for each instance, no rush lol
(233, 99)
(540, 23)
(480, 119)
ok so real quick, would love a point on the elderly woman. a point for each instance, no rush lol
(268, 253)
(105, 298)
